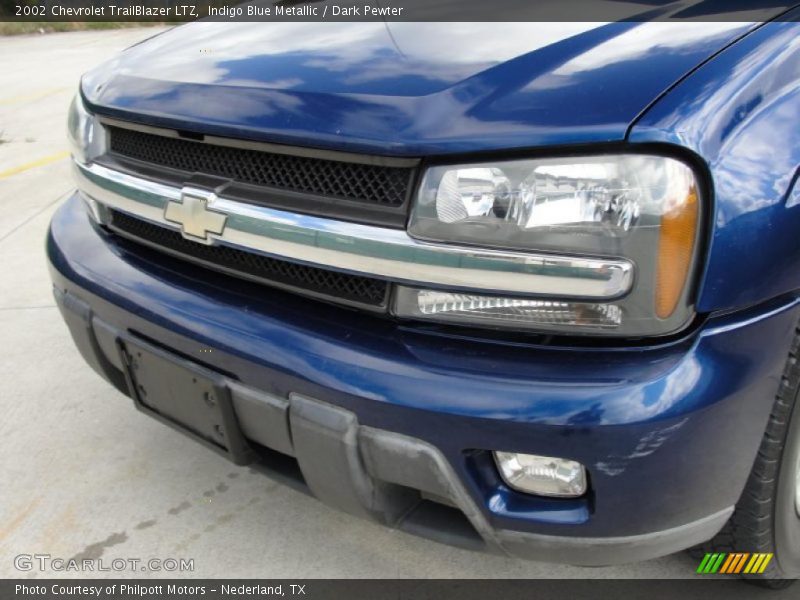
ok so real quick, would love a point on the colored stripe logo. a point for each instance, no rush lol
(733, 563)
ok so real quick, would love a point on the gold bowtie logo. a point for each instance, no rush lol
(195, 217)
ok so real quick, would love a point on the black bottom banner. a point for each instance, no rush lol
(334, 589)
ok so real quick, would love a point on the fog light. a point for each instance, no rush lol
(542, 475)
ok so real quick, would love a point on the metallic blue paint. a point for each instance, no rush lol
(740, 114)
(668, 433)
(404, 88)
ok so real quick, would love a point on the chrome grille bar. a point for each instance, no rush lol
(364, 249)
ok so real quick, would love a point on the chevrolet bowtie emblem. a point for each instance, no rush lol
(195, 217)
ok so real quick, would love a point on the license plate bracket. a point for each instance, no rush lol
(184, 395)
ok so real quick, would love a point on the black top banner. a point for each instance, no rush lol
(397, 10)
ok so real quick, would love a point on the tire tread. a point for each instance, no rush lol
(750, 526)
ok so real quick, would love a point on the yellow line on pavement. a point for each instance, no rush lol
(40, 162)
(18, 519)
(30, 97)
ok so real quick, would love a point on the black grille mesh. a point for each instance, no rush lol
(354, 288)
(387, 186)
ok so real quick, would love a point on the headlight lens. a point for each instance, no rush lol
(641, 207)
(84, 133)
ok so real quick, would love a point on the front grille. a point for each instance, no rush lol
(332, 284)
(379, 185)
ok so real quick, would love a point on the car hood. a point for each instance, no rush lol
(404, 88)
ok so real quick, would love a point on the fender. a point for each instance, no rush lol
(739, 114)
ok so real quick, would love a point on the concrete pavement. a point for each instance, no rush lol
(82, 474)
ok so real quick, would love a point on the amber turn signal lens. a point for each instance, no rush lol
(675, 251)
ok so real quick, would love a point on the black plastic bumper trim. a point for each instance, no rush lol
(386, 476)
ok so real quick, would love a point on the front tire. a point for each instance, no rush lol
(767, 516)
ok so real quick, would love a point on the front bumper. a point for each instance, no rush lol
(382, 418)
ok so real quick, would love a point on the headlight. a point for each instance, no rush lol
(85, 134)
(642, 208)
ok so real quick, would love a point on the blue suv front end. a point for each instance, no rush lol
(397, 417)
